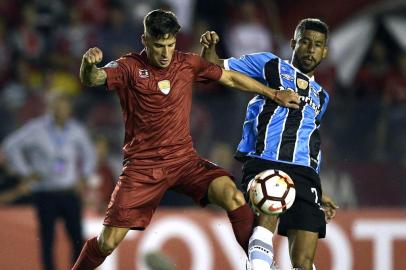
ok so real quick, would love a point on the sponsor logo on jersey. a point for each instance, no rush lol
(302, 84)
(143, 73)
(287, 77)
(112, 64)
(309, 101)
(164, 86)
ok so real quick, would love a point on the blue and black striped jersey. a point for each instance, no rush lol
(277, 133)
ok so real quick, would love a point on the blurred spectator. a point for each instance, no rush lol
(371, 77)
(74, 37)
(12, 189)
(54, 153)
(118, 27)
(369, 88)
(28, 41)
(20, 92)
(5, 53)
(392, 145)
(248, 33)
(94, 11)
(337, 179)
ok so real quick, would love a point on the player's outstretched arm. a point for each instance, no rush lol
(208, 41)
(90, 74)
(285, 98)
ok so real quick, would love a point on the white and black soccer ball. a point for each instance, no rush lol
(272, 192)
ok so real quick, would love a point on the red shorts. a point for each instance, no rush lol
(139, 191)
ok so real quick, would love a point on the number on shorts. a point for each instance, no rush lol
(314, 190)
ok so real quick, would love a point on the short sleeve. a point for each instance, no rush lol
(251, 65)
(326, 100)
(206, 71)
(118, 74)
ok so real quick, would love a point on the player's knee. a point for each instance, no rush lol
(302, 261)
(239, 198)
(233, 198)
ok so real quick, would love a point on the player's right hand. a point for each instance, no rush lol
(209, 38)
(93, 56)
(287, 98)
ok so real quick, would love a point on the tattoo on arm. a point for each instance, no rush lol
(90, 75)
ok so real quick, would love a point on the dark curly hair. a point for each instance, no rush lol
(158, 23)
(312, 24)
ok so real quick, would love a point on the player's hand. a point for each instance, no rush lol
(329, 207)
(93, 56)
(287, 98)
(209, 38)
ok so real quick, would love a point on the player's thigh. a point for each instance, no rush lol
(110, 237)
(302, 245)
(135, 199)
(196, 179)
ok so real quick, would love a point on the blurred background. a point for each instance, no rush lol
(363, 134)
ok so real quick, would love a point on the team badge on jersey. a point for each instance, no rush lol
(302, 84)
(164, 86)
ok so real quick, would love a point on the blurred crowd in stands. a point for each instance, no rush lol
(42, 42)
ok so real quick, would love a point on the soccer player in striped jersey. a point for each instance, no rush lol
(276, 137)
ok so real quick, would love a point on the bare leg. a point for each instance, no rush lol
(269, 222)
(302, 248)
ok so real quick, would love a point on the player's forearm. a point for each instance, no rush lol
(210, 55)
(90, 75)
(242, 82)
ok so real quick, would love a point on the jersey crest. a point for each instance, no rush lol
(164, 86)
(302, 84)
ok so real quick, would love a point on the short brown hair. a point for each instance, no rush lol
(158, 23)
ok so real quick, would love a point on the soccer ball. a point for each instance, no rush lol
(272, 192)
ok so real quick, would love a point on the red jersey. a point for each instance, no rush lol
(156, 104)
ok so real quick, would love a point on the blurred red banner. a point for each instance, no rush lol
(196, 239)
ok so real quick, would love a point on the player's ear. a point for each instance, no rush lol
(325, 52)
(143, 41)
(292, 43)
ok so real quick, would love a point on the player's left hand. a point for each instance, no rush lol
(287, 98)
(329, 207)
(209, 38)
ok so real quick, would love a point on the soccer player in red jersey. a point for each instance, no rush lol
(155, 92)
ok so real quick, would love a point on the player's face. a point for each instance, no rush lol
(309, 49)
(62, 109)
(159, 51)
